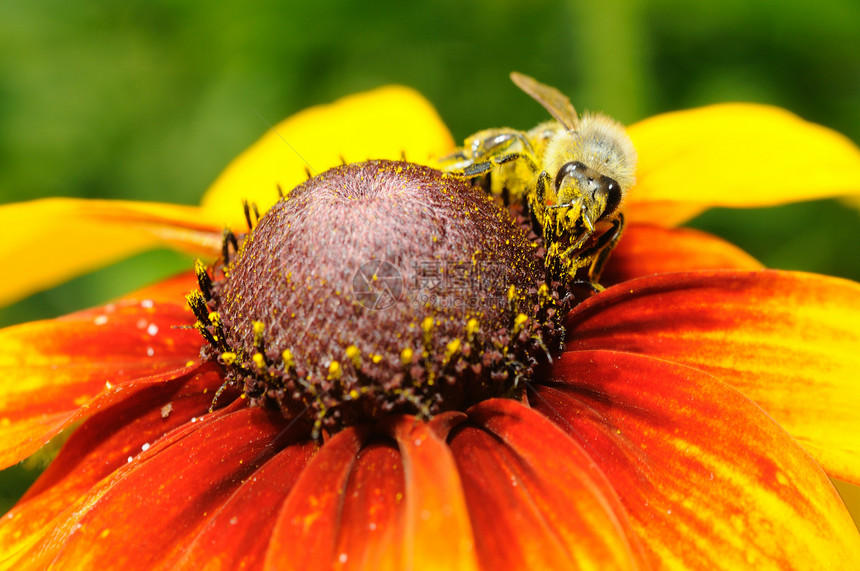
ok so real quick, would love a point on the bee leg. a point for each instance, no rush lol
(498, 143)
(540, 188)
(455, 161)
(475, 169)
(605, 244)
(528, 158)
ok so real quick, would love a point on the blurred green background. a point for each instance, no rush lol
(150, 100)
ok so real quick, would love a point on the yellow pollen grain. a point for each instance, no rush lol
(427, 324)
(354, 355)
(353, 394)
(259, 327)
(472, 327)
(452, 349)
(376, 359)
(406, 356)
(287, 356)
(228, 357)
(519, 321)
(512, 293)
(259, 360)
(543, 294)
(335, 371)
(214, 318)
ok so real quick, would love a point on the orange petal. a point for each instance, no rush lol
(146, 512)
(438, 531)
(372, 517)
(789, 341)
(56, 371)
(736, 155)
(708, 479)
(385, 123)
(103, 444)
(535, 498)
(54, 239)
(365, 503)
(645, 250)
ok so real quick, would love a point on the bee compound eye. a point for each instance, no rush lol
(613, 192)
(575, 169)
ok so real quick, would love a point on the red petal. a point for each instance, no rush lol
(788, 341)
(105, 443)
(708, 479)
(305, 534)
(146, 512)
(237, 536)
(645, 250)
(535, 498)
(172, 290)
(371, 533)
(77, 364)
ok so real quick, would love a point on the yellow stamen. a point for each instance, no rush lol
(354, 355)
(287, 357)
(519, 321)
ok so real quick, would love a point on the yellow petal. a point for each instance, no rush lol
(386, 123)
(54, 239)
(735, 155)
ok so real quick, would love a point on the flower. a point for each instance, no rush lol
(691, 421)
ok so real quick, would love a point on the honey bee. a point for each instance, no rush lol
(571, 173)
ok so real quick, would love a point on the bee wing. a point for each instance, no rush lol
(553, 100)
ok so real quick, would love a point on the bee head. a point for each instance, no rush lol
(594, 195)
